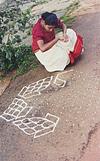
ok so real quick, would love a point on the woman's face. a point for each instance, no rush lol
(48, 28)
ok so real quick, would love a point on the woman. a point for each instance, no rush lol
(53, 51)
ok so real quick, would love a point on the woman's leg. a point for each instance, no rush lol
(54, 59)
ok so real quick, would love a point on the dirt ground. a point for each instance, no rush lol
(77, 105)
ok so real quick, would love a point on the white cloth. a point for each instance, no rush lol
(57, 58)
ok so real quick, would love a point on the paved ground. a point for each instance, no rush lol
(92, 152)
(77, 105)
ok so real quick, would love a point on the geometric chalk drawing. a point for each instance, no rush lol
(37, 126)
(35, 88)
(60, 82)
(17, 109)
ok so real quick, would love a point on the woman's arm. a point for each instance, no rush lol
(43, 47)
(65, 33)
(64, 28)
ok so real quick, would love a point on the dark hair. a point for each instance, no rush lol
(50, 18)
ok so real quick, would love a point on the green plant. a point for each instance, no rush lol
(13, 54)
(26, 60)
(20, 58)
(68, 18)
(11, 22)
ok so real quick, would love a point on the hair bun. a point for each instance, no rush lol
(45, 15)
(50, 19)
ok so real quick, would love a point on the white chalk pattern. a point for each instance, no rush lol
(38, 126)
(60, 82)
(35, 88)
(17, 109)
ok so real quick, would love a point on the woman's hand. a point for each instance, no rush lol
(60, 37)
(66, 38)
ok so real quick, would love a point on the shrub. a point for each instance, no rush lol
(19, 57)
(13, 54)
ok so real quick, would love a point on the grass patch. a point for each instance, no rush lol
(68, 17)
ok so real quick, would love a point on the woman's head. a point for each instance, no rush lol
(50, 21)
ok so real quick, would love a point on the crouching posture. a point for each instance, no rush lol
(55, 51)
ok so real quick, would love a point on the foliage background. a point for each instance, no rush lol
(15, 26)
